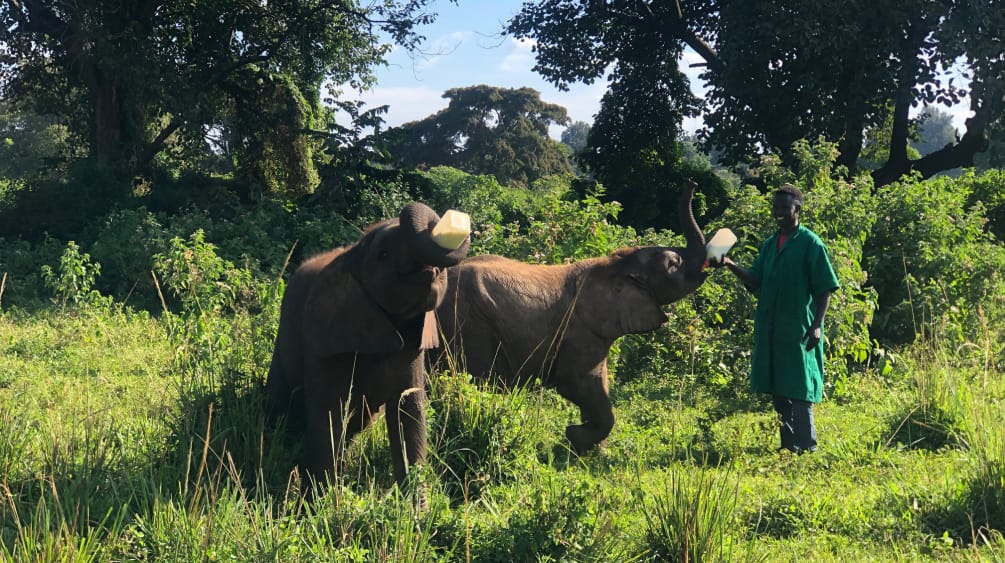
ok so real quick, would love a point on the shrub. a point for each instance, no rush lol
(479, 436)
(71, 282)
(692, 517)
(936, 268)
(988, 190)
(228, 316)
(125, 244)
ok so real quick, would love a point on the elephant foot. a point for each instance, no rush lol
(582, 438)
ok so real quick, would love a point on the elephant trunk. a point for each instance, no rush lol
(694, 254)
(418, 220)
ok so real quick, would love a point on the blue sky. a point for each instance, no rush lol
(465, 47)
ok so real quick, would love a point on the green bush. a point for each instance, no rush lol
(126, 244)
(229, 316)
(988, 189)
(71, 282)
(692, 518)
(935, 266)
(479, 436)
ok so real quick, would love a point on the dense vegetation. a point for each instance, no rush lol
(780, 71)
(133, 360)
(164, 166)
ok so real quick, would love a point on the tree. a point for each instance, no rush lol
(30, 145)
(994, 157)
(935, 130)
(783, 70)
(575, 135)
(634, 146)
(133, 77)
(486, 130)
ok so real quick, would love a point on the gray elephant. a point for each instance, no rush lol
(517, 321)
(353, 327)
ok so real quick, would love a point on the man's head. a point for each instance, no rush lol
(786, 203)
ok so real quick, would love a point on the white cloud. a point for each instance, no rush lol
(406, 103)
(440, 49)
(520, 57)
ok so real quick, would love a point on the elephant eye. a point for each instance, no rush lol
(383, 254)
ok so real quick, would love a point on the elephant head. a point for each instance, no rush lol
(394, 273)
(625, 292)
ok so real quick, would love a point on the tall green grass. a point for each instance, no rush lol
(691, 516)
(119, 445)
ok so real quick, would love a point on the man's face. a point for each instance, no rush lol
(785, 210)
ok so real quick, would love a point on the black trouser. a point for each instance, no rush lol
(797, 430)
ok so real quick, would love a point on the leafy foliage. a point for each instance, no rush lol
(935, 130)
(31, 146)
(782, 80)
(932, 261)
(137, 79)
(71, 282)
(486, 130)
(575, 135)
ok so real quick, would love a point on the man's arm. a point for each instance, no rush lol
(750, 281)
(815, 333)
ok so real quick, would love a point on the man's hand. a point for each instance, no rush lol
(812, 337)
(724, 261)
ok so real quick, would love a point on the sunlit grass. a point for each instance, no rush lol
(109, 452)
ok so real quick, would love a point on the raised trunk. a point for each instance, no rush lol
(419, 219)
(694, 254)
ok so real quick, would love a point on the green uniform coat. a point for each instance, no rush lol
(790, 278)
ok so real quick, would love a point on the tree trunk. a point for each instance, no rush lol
(107, 120)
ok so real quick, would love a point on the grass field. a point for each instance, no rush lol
(132, 438)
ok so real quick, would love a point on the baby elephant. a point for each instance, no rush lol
(518, 321)
(352, 330)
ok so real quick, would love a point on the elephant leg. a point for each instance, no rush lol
(282, 401)
(329, 432)
(406, 430)
(590, 395)
(485, 356)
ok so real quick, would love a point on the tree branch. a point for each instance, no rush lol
(156, 146)
(680, 29)
(34, 17)
(986, 105)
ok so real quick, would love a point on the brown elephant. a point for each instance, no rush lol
(353, 326)
(517, 321)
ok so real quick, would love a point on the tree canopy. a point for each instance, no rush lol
(575, 135)
(783, 70)
(487, 130)
(935, 130)
(131, 78)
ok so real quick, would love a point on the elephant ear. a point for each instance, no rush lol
(339, 317)
(430, 332)
(618, 304)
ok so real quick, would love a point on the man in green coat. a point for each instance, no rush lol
(793, 280)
